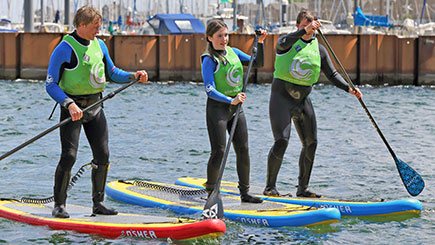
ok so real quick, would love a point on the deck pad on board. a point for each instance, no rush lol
(409, 206)
(189, 200)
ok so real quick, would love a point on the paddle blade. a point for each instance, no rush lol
(411, 179)
(213, 208)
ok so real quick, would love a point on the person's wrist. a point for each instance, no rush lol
(66, 102)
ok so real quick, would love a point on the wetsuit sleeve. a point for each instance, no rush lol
(331, 73)
(115, 74)
(208, 69)
(258, 60)
(60, 56)
(285, 42)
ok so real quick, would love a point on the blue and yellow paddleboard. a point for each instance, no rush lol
(191, 200)
(408, 206)
(121, 225)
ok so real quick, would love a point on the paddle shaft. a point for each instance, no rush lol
(65, 121)
(349, 81)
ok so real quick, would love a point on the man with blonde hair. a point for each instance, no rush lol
(76, 78)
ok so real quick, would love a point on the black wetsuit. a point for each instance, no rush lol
(95, 127)
(220, 119)
(289, 102)
(220, 116)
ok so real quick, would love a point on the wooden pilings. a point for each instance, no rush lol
(9, 56)
(425, 66)
(368, 59)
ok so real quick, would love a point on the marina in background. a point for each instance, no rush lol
(378, 42)
(401, 17)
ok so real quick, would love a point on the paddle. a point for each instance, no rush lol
(65, 121)
(413, 182)
(213, 208)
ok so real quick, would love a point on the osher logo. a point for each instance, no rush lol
(233, 77)
(298, 71)
(97, 76)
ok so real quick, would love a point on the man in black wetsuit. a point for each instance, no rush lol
(76, 78)
(299, 59)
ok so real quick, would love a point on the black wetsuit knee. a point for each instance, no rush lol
(67, 159)
(217, 152)
(241, 148)
(279, 147)
(216, 156)
(101, 157)
(213, 165)
(310, 146)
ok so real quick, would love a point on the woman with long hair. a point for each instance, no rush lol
(222, 72)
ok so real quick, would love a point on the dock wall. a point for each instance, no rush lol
(368, 59)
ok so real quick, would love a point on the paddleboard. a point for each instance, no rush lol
(190, 201)
(407, 206)
(126, 225)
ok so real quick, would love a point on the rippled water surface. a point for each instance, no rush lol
(158, 133)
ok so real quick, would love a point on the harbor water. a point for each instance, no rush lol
(158, 133)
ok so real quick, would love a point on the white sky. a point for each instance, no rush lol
(16, 12)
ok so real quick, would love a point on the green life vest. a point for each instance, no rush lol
(228, 78)
(300, 65)
(88, 77)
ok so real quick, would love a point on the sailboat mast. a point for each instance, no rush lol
(42, 13)
(9, 9)
(66, 20)
(234, 15)
(388, 7)
(28, 15)
(422, 11)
